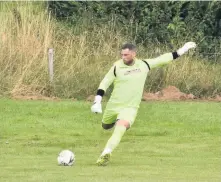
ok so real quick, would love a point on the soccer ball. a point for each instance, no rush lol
(66, 158)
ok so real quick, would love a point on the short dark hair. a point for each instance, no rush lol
(129, 46)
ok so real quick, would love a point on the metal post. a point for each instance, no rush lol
(50, 64)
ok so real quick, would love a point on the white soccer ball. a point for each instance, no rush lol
(66, 158)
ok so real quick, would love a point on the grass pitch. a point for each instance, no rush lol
(169, 141)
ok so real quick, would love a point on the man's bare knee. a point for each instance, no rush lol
(124, 123)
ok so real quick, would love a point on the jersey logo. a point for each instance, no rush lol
(132, 71)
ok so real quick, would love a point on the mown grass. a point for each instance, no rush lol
(170, 141)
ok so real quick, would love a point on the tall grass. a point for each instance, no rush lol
(26, 34)
(83, 54)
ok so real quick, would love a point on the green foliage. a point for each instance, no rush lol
(169, 23)
(87, 42)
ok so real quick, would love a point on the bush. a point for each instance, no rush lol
(83, 54)
(168, 23)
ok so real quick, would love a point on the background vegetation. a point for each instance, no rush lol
(87, 36)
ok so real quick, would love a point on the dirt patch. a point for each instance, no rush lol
(34, 97)
(169, 93)
(26, 92)
(90, 98)
(217, 98)
(150, 96)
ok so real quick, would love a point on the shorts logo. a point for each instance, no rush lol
(132, 71)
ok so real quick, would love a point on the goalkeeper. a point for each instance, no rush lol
(128, 75)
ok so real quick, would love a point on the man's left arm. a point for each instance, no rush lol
(168, 57)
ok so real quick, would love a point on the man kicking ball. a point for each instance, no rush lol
(128, 75)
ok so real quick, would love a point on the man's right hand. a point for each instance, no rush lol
(96, 107)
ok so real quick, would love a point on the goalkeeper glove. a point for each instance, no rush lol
(96, 107)
(186, 47)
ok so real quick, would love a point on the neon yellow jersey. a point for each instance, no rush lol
(129, 80)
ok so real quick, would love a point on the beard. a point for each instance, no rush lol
(129, 63)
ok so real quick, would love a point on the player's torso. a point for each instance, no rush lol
(128, 85)
(135, 74)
